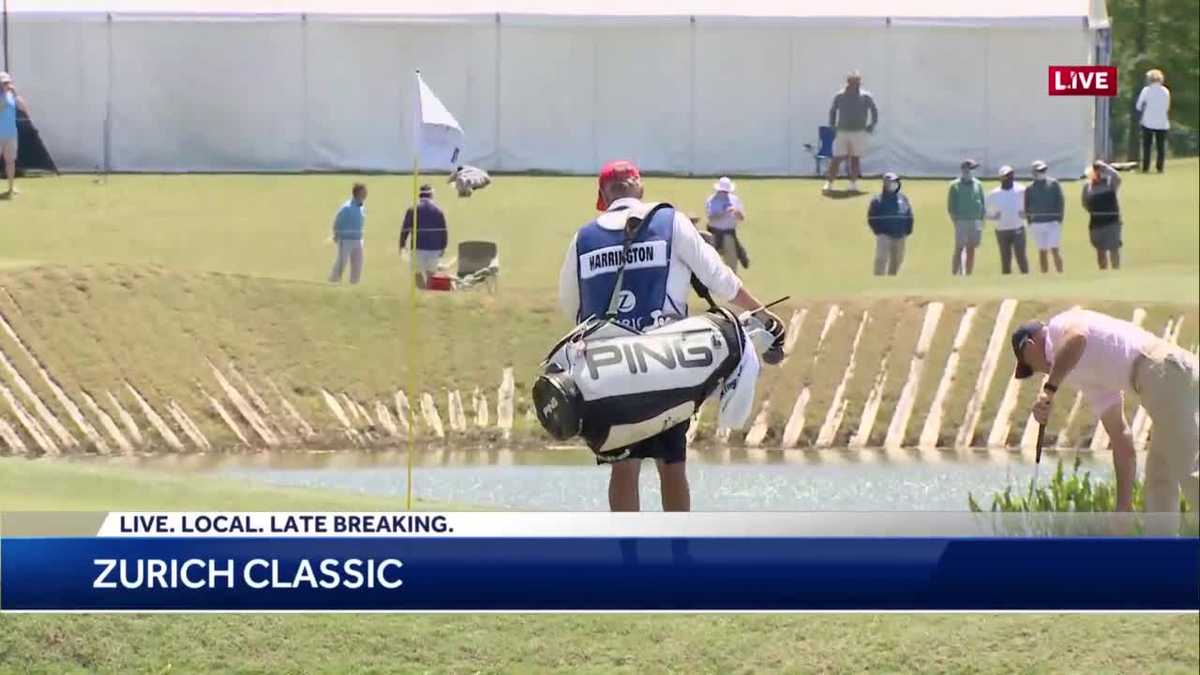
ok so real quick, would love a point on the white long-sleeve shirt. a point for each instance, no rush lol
(690, 254)
(1006, 206)
(1154, 102)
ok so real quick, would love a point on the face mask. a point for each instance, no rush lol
(1039, 175)
(891, 187)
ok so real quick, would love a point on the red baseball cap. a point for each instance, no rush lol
(612, 172)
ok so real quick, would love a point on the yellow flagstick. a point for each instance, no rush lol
(412, 339)
(412, 323)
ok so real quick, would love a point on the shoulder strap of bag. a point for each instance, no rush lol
(632, 226)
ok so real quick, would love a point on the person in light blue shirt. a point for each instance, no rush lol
(348, 235)
(10, 101)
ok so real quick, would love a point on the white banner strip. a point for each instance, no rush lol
(635, 525)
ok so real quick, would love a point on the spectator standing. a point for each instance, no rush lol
(890, 218)
(854, 116)
(725, 211)
(432, 237)
(348, 227)
(1154, 107)
(965, 204)
(1044, 209)
(1006, 206)
(1104, 219)
(10, 101)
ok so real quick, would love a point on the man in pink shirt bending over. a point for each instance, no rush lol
(1104, 357)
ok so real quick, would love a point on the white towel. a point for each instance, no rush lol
(737, 391)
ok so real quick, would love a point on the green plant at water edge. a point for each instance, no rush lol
(1077, 493)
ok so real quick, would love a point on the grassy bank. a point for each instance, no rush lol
(100, 328)
(97, 329)
(40, 485)
(145, 281)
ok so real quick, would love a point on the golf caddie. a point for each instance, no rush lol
(641, 277)
(1104, 357)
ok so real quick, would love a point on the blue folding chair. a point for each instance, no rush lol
(824, 148)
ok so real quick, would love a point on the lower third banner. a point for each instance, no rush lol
(597, 573)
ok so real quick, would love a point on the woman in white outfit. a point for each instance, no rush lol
(1154, 107)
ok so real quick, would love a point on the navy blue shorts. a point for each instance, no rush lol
(669, 447)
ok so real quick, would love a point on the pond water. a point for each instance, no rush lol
(567, 479)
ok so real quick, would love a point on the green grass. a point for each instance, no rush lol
(800, 242)
(141, 278)
(1087, 644)
(144, 278)
(97, 327)
(38, 485)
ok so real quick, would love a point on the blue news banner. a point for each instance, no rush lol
(307, 569)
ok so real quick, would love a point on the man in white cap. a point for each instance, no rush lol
(1104, 357)
(10, 101)
(725, 211)
(1006, 206)
(1044, 207)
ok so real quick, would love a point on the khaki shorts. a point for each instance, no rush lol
(426, 262)
(1168, 380)
(967, 233)
(851, 143)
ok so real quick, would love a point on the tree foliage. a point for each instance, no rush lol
(1163, 34)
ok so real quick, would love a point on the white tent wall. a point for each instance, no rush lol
(548, 98)
(702, 95)
(1024, 123)
(361, 89)
(741, 99)
(207, 95)
(935, 111)
(644, 96)
(65, 80)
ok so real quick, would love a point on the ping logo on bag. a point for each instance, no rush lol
(670, 352)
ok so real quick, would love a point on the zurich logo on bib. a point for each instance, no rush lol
(643, 264)
(626, 302)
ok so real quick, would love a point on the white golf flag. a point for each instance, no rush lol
(439, 138)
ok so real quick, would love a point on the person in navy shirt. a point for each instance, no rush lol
(890, 218)
(666, 252)
(432, 236)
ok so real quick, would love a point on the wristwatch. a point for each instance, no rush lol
(1049, 388)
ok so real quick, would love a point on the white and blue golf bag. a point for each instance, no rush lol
(615, 386)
